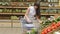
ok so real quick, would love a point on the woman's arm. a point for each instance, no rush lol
(26, 15)
(38, 19)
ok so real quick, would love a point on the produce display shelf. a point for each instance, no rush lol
(58, 7)
(48, 14)
(21, 2)
(51, 2)
(52, 32)
(12, 13)
(12, 7)
(21, 14)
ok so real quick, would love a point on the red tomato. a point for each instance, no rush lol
(58, 23)
(54, 27)
(43, 32)
(53, 24)
(49, 29)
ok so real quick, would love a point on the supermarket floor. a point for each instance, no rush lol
(10, 31)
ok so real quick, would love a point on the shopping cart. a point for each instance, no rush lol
(26, 28)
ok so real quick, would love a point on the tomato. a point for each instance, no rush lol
(49, 29)
(54, 27)
(53, 24)
(43, 33)
(58, 23)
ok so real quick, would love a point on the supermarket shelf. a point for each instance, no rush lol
(9, 21)
(12, 13)
(48, 14)
(22, 2)
(12, 7)
(54, 30)
(21, 14)
(58, 7)
(50, 2)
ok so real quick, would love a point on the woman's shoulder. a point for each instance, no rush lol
(31, 6)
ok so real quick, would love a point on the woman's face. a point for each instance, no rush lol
(35, 7)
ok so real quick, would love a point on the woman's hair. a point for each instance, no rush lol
(37, 10)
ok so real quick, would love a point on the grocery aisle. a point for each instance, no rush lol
(10, 31)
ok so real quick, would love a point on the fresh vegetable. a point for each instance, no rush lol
(58, 19)
(14, 17)
(1, 10)
(23, 11)
(53, 25)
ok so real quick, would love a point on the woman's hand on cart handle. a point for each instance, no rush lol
(40, 21)
(29, 21)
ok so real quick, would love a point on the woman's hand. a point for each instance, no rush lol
(28, 20)
(40, 21)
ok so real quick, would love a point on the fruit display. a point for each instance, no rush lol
(14, 17)
(54, 24)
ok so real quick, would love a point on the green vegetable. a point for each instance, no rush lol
(23, 11)
(14, 17)
(17, 10)
(55, 21)
(34, 31)
(10, 10)
(1, 10)
(46, 23)
(58, 19)
(0, 3)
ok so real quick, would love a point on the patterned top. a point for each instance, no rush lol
(31, 14)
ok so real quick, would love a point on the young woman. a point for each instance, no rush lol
(33, 13)
(32, 16)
